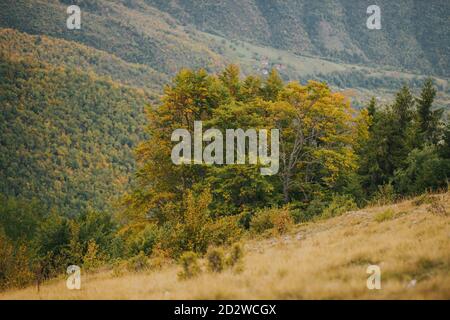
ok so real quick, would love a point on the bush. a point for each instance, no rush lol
(235, 255)
(282, 220)
(224, 231)
(385, 215)
(189, 265)
(215, 259)
(315, 208)
(92, 259)
(339, 205)
(384, 195)
(425, 170)
(138, 263)
(262, 221)
(279, 220)
(144, 240)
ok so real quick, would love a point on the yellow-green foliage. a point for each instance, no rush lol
(384, 195)
(278, 220)
(339, 205)
(224, 231)
(189, 264)
(282, 220)
(14, 265)
(92, 259)
(385, 215)
(235, 255)
(138, 262)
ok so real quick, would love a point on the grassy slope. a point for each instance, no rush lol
(324, 259)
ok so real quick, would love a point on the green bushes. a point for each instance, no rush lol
(138, 263)
(235, 255)
(262, 221)
(215, 258)
(424, 170)
(385, 195)
(386, 215)
(339, 205)
(189, 265)
(278, 220)
(14, 264)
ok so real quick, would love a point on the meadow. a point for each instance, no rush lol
(323, 259)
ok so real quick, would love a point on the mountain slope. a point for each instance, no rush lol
(62, 53)
(143, 35)
(327, 259)
(67, 136)
(414, 33)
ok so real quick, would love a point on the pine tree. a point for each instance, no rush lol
(372, 107)
(428, 120)
(272, 86)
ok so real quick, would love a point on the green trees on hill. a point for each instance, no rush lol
(407, 145)
(67, 137)
(77, 133)
(319, 135)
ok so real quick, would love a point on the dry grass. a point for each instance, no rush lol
(321, 260)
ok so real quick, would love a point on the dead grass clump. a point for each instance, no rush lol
(437, 207)
(423, 199)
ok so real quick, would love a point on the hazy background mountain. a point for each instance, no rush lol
(72, 100)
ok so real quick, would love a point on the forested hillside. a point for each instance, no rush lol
(143, 35)
(67, 136)
(414, 34)
(58, 52)
(321, 40)
(87, 116)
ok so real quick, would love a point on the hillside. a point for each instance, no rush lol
(142, 35)
(326, 41)
(413, 34)
(326, 259)
(69, 54)
(67, 136)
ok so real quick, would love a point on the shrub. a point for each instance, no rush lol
(425, 170)
(159, 258)
(189, 265)
(143, 240)
(92, 259)
(385, 215)
(138, 262)
(215, 259)
(384, 195)
(262, 221)
(314, 209)
(279, 220)
(282, 220)
(224, 231)
(339, 205)
(235, 255)
(118, 267)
